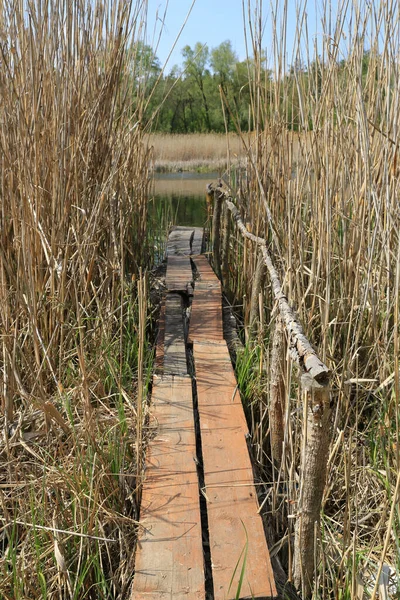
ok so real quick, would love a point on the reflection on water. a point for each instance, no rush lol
(179, 198)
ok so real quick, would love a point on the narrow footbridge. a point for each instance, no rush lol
(201, 535)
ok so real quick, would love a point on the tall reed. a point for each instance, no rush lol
(73, 185)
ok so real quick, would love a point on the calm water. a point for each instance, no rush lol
(180, 198)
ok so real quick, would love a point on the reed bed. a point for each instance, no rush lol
(73, 305)
(195, 151)
(322, 186)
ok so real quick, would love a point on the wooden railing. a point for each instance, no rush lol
(288, 339)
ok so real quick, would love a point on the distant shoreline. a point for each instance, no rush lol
(196, 152)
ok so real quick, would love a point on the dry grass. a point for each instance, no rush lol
(74, 186)
(333, 192)
(195, 151)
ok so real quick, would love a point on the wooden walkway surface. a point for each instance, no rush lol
(170, 558)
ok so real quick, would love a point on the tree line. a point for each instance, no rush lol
(189, 98)
(213, 91)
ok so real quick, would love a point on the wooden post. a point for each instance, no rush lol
(316, 439)
(277, 392)
(258, 282)
(216, 232)
(226, 232)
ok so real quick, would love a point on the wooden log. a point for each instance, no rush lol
(316, 442)
(277, 390)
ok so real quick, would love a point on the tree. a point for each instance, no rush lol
(223, 60)
(195, 63)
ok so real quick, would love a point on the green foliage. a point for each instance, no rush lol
(189, 100)
(214, 91)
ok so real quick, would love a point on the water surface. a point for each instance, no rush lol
(180, 198)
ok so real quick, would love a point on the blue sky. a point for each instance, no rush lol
(213, 22)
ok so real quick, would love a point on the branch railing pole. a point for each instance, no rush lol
(216, 232)
(317, 410)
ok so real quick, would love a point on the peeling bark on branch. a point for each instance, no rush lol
(300, 348)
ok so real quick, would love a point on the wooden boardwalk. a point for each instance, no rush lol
(170, 558)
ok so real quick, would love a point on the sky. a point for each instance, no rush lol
(212, 22)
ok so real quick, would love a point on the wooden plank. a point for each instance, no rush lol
(174, 348)
(231, 496)
(180, 241)
(179, 273)
(206, 317)
(206, 324)
(205, 270)
(169, 557)
(197, 240)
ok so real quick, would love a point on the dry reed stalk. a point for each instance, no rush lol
(74, 184)
(257, 286)
(142, 300)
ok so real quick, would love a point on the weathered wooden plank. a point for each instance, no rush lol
(180, 241)
(197, 242)
(174, 349)
(169, 557)
(231, 496)
(205, 270)
(206, 318)
(179, 273)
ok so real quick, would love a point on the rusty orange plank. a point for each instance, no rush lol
(206, 319)
(205, 270)
(206, 316)
(231, 496)
(169, 558)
